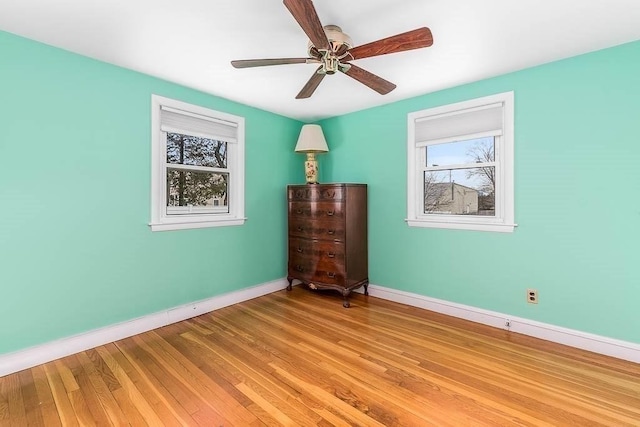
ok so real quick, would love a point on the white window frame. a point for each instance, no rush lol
(504, 218)
(160, 221)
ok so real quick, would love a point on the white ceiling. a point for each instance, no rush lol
(191, 42)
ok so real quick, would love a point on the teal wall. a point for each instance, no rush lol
(577, 198)
(76, 252)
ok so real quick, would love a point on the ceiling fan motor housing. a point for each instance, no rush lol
(340, 43)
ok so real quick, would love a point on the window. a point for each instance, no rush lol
(460, 165)
(197, 166)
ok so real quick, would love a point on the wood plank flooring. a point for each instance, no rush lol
(298, 358)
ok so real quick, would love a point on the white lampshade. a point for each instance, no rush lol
(311, 140)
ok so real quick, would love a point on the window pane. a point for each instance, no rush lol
(190, 192)
(461, 152)
(194, 151)
(460, 192)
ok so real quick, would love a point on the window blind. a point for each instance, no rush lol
(472, 123)
(177, 121)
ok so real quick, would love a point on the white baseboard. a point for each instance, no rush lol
(586, 341)
(24, 359)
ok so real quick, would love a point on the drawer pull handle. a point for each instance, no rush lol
(331, 254)
(299, 268)
(332, 232)
(331, 274)
(330, 213)
(300, 250)
(299, 211)
(300, 228)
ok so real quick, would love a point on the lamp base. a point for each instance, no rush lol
(311, 169)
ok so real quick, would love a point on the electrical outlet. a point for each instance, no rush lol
(532, 296)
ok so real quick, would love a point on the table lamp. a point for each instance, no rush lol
(311, 141)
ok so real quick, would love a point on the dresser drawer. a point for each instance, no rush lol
(326, 230)
(315, 193)
(316, 210)
(328, 276)
(316, 269)
(324, 252)
(317, 276)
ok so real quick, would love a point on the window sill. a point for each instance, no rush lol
(186, 225)
(476, 226)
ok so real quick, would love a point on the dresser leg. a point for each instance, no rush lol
(366, 289)
(289, 287)
(345, 294)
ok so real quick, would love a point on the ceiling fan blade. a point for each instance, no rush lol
(304, 12)
(415, 39)
(311, 85)
(376, 83)
(248, 63)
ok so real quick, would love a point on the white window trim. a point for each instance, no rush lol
(504, 220)
(160, 221)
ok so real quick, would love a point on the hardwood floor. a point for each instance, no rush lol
(299, 358)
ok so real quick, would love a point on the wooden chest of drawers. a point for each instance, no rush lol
(328, 237)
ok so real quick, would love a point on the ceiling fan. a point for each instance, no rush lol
(333, 50)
